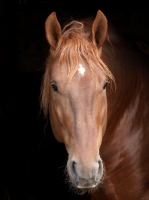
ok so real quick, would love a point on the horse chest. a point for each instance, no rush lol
(124, 156)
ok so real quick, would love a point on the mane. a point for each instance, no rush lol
(74, 46)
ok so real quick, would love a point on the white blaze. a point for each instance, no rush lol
(81, 69)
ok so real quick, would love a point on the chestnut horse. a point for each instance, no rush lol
(95, 91)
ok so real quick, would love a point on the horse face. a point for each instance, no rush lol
(78, 112)
(77, 107)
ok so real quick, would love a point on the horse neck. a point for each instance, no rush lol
(127, 67)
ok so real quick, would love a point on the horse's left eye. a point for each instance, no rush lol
(54, 86)
(105, 84)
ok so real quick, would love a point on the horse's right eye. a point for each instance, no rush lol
(105, 84)
(54, 86)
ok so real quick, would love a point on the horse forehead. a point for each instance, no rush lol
(85, 83)
(82, 75)
(62, 71)
(81, 69)
(85, 73)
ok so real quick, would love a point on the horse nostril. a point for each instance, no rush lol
(74, 171)
(100, 168)
(100, 163)
(73, 167)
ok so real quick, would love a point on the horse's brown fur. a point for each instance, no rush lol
(81, 109)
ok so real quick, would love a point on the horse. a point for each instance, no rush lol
(95, 93)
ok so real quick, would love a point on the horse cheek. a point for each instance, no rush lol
(56, 123)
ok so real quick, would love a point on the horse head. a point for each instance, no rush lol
(74, 94)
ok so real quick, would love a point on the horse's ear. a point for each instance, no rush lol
(99, 29)
(53, 30)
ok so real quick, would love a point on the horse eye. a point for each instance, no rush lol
(105, 84)
(54, 86)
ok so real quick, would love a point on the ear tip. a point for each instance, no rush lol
(51, 17)
(53, 13)
(99, 12)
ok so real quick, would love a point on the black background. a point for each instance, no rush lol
(32, 162)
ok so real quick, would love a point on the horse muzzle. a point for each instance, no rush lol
(83, 176)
